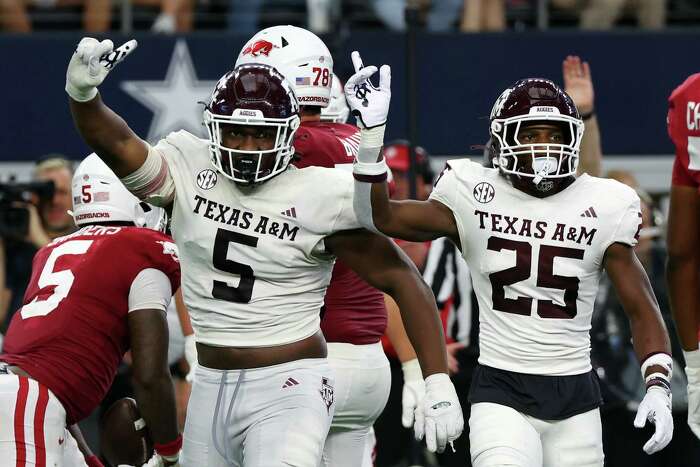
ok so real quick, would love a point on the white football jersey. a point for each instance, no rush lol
(536, 262)
(254, 265)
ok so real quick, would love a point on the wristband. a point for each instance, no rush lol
(170, 449)
(93, 461)
(370, 172)
(661, 359)
(658, 379)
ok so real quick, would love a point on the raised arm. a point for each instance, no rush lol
(383, 265)
(578, 84)
(408, 220)
(650, 339)
(102, 129)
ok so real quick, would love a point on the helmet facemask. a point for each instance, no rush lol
(541, 163)
(248, 167)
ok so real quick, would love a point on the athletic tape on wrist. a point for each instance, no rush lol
(661, 359)
(372, 137)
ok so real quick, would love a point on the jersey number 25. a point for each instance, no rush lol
(545, 279)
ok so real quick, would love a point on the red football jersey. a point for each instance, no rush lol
(684, 130)
(354, 310)
(72, 331)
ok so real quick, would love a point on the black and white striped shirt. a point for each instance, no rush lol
(447, 273)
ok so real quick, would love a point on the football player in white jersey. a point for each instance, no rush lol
(258, 239)
(537, 238)
(355, 316)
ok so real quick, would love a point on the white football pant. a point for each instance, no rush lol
(362, 384)
(502, 436)
(33, 426)
(261, 417)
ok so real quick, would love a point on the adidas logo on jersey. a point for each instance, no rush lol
(590, 212)
(289, 383)
(291, 212)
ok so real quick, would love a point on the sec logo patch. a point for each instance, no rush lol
(206, 179)
(484, 192)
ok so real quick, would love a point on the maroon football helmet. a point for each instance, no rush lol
(253, 95)
(540, 169)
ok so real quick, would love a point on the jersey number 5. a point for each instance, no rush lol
(545, 279)
(221, 290)
(61, 280)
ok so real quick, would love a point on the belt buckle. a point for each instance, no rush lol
(3, 368)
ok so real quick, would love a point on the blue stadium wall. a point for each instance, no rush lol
(459, 77)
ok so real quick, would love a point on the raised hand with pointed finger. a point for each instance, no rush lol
(369, 103)
(91, 63)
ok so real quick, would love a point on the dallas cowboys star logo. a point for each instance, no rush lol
(173, 101)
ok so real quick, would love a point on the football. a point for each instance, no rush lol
(124, 438)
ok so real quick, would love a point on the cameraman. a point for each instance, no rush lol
(48, 219)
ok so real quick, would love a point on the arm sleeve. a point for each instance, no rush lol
(153, 182)
(150, 289)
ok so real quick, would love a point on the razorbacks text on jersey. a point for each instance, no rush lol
(354, 311)
(536, 262)
(255, 267)
(683, 122)
(72, 331)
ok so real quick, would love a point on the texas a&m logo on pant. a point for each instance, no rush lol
(327, 393)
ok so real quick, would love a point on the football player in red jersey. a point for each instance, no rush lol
(354, 315)
(683, 268)
(93, 295)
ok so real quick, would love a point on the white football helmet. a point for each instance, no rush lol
(99, 196)
(338, 110)
(299, 55)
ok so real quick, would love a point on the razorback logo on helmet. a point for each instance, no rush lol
(258, 48)
(92, 215)
(313, 99)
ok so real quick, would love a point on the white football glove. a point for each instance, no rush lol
(439, 416)
(369, 103)
(91, 63)
(413, 391)
(190, 356)
(656, 407)
(692, 372)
